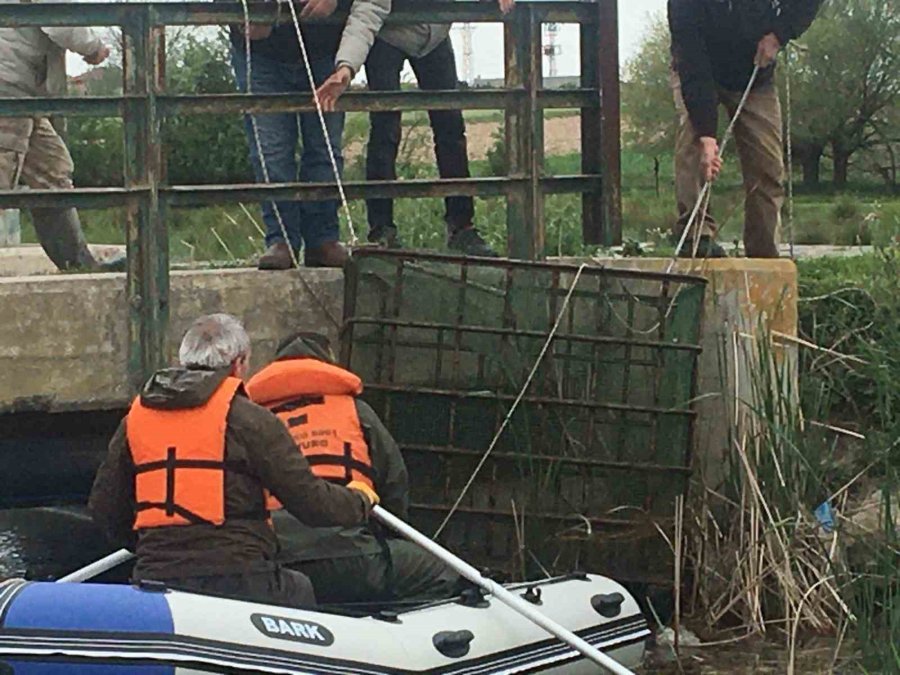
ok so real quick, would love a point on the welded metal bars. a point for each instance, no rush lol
(144, 105)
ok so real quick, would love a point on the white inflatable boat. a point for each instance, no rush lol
(96, 629)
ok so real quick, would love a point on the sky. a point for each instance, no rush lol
(634, 18)
(487, 61)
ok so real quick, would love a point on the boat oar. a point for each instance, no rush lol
(97, 568)
(510, 599)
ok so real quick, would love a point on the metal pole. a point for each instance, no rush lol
(97, 568)
(507, 598)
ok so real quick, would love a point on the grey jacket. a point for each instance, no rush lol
(365, 20)
(30, 57)
(416, 40)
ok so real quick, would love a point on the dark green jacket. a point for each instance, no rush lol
(302, 543)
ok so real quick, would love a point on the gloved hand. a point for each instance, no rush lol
(368, 492)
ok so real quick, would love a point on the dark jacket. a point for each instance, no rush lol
(714, 45)
(300, 542)
(259, 444)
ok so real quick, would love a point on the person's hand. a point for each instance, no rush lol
(318, 9)
(767, 50)
(258, 31)
(334, 87)
(98, 56)
(506, 6)
(364, 489)
(710, 161)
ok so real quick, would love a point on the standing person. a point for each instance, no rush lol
(344, 441)
(189, 470)
(715, 46)
(429, 51)
(31, 152)
(277, 66)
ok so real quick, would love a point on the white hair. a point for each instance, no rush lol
(214, 341)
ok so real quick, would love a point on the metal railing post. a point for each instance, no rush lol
(146, 235)
(601, 128)
(525, 134)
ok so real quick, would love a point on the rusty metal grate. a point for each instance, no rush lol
(601, 441)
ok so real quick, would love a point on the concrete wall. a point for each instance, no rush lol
(64, 338)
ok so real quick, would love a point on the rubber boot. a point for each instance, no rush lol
(60, 234)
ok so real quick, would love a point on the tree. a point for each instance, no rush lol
(647, 105)
(846, 78)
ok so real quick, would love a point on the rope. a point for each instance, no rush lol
(516, 403)
(309, 73)
(790, 150)
(706, 192)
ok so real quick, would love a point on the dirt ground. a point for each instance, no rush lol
(562, 136)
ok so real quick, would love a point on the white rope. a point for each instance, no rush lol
(790, 150)
(354, 240)
(706, 192)
(516, 403)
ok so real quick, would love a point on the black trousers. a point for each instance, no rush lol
(435, 71)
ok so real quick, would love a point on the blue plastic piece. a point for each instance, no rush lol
(825, 515)
(90, 607)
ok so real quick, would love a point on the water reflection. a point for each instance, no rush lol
(47, 542)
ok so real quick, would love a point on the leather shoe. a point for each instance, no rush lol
(277, 257)
(329, 254)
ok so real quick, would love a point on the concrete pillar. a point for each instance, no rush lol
(10, 228)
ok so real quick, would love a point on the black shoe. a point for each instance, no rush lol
(469, 242)
(706, 248)
(114, 263)
(385, 236)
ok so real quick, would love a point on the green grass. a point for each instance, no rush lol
(863, 215)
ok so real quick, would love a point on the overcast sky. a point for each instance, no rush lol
(487, 62)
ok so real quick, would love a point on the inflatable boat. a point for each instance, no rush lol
(107, 629)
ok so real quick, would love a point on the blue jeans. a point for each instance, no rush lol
(309, 223)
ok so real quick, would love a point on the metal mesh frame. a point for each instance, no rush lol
(602, 439)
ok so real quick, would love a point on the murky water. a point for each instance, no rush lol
(47, 542)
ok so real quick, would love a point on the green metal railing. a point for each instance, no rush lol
(145, 104)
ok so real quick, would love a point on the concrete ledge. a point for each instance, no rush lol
(64, 338)
(30, 259)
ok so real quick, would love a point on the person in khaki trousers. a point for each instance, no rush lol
(716, 45)
(32, 64)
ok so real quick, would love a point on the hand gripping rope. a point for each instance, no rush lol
(703, 199)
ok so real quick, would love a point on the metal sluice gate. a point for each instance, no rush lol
(588, 469)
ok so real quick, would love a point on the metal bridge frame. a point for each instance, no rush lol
(146, 195)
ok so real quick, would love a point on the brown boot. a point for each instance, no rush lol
(277, 257)
(329, 254)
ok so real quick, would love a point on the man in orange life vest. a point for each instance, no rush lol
(345, 443)
(189, 470)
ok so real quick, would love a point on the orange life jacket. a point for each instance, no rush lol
(179, 461)
(317, 403)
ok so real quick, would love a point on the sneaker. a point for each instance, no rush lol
(385, 236)
(706, 248)
(469, 242)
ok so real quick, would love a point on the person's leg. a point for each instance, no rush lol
(383, 68)
(278, 137)
(437, 71)
(362, 578)
(688, 181)
(48, 166)
(280, 587)
(758, 135)
(319, 219)
(416, 574)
